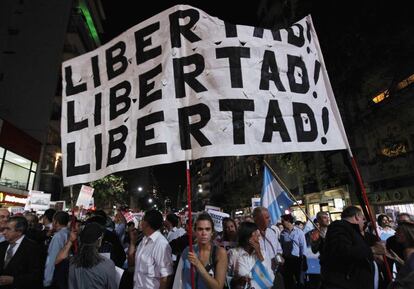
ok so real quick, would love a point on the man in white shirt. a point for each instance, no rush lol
(153, 262)
(171, 223)
(269, 241)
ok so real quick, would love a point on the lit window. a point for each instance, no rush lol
(402, 84)
(380, 97)
(18, 160)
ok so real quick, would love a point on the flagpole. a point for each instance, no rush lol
(372, 220)
(288, 191)
(72, 227)
(190, 222)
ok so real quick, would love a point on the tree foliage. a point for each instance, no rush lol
(109, 191)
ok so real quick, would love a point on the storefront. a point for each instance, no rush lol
(392, 202)
(332, 201)
(19, 156)
(12, 200)
(297, 211)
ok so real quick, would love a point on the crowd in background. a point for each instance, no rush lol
(59, 251)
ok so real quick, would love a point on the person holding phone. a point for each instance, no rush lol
(243, 258)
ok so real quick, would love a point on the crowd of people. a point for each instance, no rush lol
(60, 251)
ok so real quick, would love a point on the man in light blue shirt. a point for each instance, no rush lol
(293, 242)
(60, 222)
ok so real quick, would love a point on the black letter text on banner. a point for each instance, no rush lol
(237, 107)
(194, 128)
(176, 29)
(144, 134)
(180, 78)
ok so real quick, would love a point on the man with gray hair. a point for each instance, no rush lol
(317, 235)
(405, 217)
(269, 241)
(21, 260)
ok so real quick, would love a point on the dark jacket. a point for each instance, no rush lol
(26, 266)
(111, 244)
(346, 259)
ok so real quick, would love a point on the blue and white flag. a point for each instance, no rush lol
(274, 197)
(261, 276)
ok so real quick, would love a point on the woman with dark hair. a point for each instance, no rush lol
(246, 256)
(228, 240)
(209, 260)
(405, 277)
(384, 227)
(88, 269)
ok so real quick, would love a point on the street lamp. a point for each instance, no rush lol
(139, 189)
(150, 200)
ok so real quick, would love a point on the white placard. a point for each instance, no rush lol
(184, 85)
(255, 203)
(85, 196)
(60, 205)
(217, 219)
(16, 210)
(38, 201)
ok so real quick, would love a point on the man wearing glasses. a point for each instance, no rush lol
(20, 258)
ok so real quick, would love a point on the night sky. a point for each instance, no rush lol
(121, 17)
(357, 38)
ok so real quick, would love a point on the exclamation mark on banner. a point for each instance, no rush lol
(316, 73)
(308, 35)
(325, 123)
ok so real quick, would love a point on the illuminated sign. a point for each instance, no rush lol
(15, 199)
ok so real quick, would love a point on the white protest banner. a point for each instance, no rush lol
(184, 85)
(39, 201)
(85, 196)
(217, 219)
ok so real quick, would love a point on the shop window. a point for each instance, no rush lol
(31, 180)
(17, 172)
(18, 160)
(14, 176)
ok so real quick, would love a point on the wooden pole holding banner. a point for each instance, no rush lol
(368, 207)
(288, 191)
(190, 221)
(72, 227)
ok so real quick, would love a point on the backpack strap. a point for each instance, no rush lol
(212, 262)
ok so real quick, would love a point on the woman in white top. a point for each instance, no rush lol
(244, 258)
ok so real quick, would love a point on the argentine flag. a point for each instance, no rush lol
(273, 197)
(261, 276)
